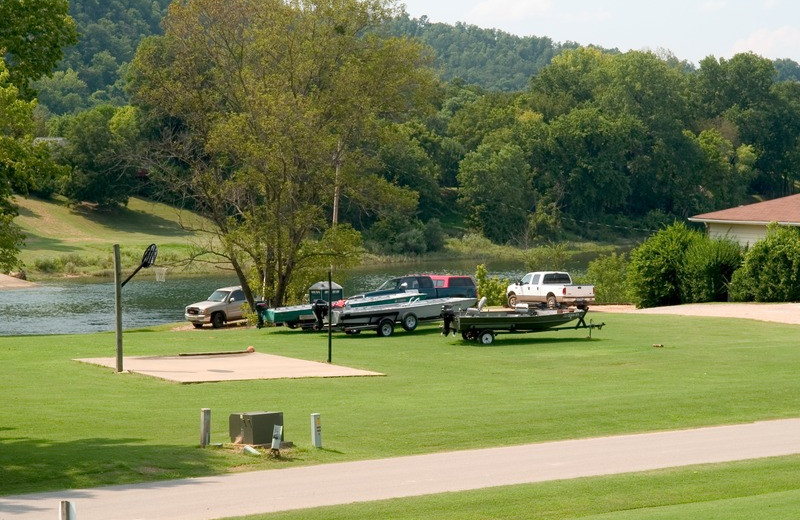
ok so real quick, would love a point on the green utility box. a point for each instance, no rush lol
(254, 427)
(319, 291)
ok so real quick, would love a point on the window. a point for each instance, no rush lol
(557, 278)
(237, 296)
(535, 280)
(424, 282)
(462, 281)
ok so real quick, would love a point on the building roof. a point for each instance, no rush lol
(785, 210)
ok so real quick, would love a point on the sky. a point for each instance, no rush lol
(691, 30)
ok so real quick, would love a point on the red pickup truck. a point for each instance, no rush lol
(433, 285)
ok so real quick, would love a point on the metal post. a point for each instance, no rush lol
(330, 330)
(67, 511)
(205, 427)
(316, 430)
(118, 304)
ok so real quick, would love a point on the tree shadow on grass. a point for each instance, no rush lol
(132, 221)
(34, 241)
(33, 465)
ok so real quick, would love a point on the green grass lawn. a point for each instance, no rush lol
(767, 488)
(65, 424)
(57, 233)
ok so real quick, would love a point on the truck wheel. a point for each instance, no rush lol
(551, 301)
(409, 322)
(486, 337)
(385, 328)
(197, 325)
(512, 300)
(217, 320)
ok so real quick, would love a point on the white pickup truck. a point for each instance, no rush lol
(550, 287)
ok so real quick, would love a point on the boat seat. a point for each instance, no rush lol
(481, 303)
(521, 307)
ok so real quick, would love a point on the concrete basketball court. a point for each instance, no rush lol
(227, 367)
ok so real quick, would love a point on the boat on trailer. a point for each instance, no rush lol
(382, 318)
(483, 325)
(303, 315)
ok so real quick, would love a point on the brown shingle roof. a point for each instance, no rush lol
(785, 210)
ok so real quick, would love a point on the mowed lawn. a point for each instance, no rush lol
(66, 424)
(55, 229)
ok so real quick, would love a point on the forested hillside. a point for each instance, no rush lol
(92, 72)
(490, 58)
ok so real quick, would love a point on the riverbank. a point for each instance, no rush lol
(9, 282)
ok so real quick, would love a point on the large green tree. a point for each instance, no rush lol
(24, 166)
(264, 106)
(33, 34)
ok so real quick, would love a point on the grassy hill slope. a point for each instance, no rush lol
(79, 240)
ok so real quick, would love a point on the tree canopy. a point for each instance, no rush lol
(33, 34)
(263, 105)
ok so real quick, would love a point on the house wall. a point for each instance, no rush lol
(744, 234)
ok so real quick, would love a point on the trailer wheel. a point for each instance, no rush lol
(551, 301)
(512, 300)
(486, 337)
(409, 322)
(385, 328)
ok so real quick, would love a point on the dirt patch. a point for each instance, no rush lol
(228, 367)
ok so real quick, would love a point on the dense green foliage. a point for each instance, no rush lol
(609, 274)
(268, 145)
(657, 267)
(771, 270)
(709, 268)
(93, 71)
(33, 34)
(490, 287)
(24, 166)
(97, 143)
(490, 58)
(567, 140)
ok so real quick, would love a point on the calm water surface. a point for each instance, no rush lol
(81, 306)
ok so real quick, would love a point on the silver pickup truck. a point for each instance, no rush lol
(551, 287)
(224, 305)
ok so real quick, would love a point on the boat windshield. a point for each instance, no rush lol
(389, 284)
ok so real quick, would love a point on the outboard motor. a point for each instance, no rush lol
(448, 315)
(320, 309)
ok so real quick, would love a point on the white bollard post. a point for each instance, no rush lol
(67, 511)
(205, 427)
(316, 430)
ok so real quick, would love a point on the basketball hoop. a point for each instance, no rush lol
(161, 274)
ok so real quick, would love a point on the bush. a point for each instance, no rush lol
(609, 275)
(709, 268)
(552, 257)
(657, 266)
(771, 269)
(493, 288)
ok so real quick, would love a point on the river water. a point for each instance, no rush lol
(84, 306)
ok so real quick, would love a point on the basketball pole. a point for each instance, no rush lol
(118, 304)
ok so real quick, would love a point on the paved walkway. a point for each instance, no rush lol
(330, 484)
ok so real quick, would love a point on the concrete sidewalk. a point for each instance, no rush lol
(330, 484)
